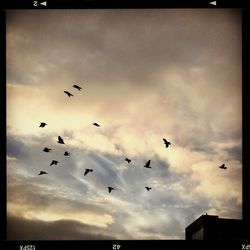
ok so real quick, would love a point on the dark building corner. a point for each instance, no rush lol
(211, 227)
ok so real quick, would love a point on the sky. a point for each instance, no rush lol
(146, 74)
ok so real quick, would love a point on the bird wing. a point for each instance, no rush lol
(86, 171)
(147, 164)
(68, 93)
(77, 87)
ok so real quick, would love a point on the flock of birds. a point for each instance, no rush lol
(87, 170)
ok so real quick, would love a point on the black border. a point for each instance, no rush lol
(128, 244)
(111, 4)
(3, 197)
(245, 109)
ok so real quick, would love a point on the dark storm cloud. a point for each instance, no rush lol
(120, 44)
(24, 229)
(235, 152)
(16, 147)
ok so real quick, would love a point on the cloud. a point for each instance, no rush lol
(15, 148)
(146, 75)
(25, 229)
(133, 31)
(235, 152)
(44, 202)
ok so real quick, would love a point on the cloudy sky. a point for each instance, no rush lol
(146, 75)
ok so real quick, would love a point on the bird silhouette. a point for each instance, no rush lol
(42, 172)
(60, 140)
(69, 94)
(77, 87)
(128, 160)
(66, 153)
(54, 162)
(110, 189)
(167, 143)
(223, 166)
(147, 165)
(96, 124)
(87, 170)
(46, 149)
(43, 124)
(148, 188)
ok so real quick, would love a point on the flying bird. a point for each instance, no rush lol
(42, 172)
(69, 94)
(60, 140)
(87, 170)
(110, 189)
(77, 87)
(128, 160)
(148, 188)
(54, 162)
(46, 149)
(66, 153)
(223, 166)
(147, 164)
(43, 124)
(167, 143)
(96, 124)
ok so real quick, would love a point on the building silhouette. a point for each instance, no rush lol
(211, 227)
